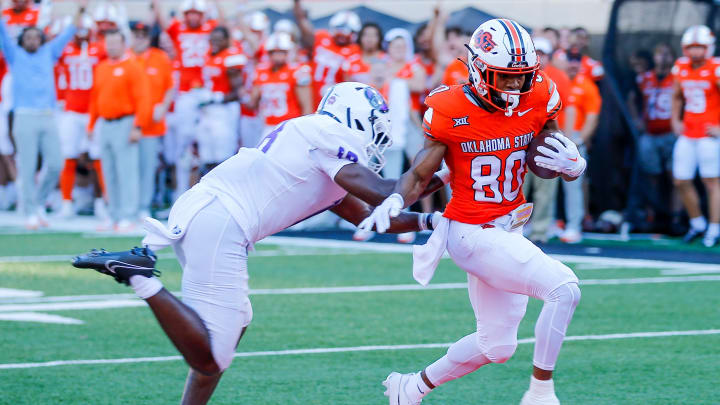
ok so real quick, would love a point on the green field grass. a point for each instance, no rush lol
(653, 370)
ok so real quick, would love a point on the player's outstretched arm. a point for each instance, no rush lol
(363, 183)
(408, 188)
(354, 210)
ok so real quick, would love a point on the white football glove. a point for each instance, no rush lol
(566, 160)
(381, 215)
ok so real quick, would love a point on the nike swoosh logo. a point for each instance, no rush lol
(521, 113)
(573, 160)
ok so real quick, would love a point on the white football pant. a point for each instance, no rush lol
(691, 154)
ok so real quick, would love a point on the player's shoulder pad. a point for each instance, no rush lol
(325, 134)
(444, 99)
(546, 95)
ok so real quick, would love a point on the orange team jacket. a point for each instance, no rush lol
(215, 70)
(327, 62)
(79, 64)
(455, 73)
(121, 88)
(585, 97)
(657, 102)
(278, 101)
(407, 72)
(486, 150)
(191, 45)
(702, 97)
(158, 69)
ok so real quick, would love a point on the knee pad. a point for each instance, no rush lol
(498, 344)
(566, 295)
(501, 353)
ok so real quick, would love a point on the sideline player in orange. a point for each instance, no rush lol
(218, 136)
(191, 37)
(78, 61)
(696, 121)
(330, 49)
(281, 89)
(482, 130)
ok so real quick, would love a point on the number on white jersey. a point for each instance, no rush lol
(695, 101)
(81, 75)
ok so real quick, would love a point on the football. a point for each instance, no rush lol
(539, 140)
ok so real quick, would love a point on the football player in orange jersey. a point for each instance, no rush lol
(696, 120)
(219, 113)
(78, 61)
(482, 130)
(281, 90)
(329, 49)
(191, 38)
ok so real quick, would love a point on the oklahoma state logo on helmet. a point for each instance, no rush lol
(485, 41)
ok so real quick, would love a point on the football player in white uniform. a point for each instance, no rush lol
(326, 160)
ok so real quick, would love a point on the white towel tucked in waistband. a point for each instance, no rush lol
(426, 257)
(158, 236)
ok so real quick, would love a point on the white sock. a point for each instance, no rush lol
(713, 229)
(698, 223)
(541, 388)
(145, 287)
(416, 389)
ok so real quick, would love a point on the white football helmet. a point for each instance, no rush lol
(699, 35)
(106, 12)
(194, 5)
(287, 26)
(501, 46)
(345, 22)
(279, 41)
(258, 21)
(362, 109)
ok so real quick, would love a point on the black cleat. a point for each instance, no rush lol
(692, 234)
(120, 265)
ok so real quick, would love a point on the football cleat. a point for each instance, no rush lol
(530, 399)
(710, 240)
(692, 234)
(119, 265)
(395, 384)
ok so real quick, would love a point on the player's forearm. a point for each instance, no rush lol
(307, 33)
(411, 186)
(676, 111)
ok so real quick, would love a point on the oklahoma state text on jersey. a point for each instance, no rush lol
(486, 150)
(701, 93)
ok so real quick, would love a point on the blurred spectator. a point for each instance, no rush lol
(367, 66)
(543, 192)
(78, 62)
(581, 120)
(579, 41)
(219, 113)
(329, 49)
(8, 171)
(428, 45)
(34, 100)
(655, 144)
(456, 71)
(191, 38)
(255, 28)
(158, 68)
(281, 89)
(120, 104)
(23, 14)
(696, 119)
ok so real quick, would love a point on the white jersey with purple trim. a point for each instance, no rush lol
(288, 177)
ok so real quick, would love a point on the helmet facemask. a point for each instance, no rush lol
(484, 79)
(380, 139)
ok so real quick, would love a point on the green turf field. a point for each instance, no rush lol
(603, 365)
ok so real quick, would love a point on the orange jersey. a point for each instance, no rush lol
(455, 73)
(120, 89)
(215, 70)
(585, 97)
(657, 101)
(15, 22)
(3, 70)
(357, 69)
(486, 150)
(61, 82)
(278, 101)
(702, 97)
(191, 45)
(79, 63)
(407, 72)
(591, 68)
(327, 62)
(158, 68)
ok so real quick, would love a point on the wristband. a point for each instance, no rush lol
(444, 175)
(425, 222)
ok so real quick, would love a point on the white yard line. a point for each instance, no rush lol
(110, 301)
(373, 348)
